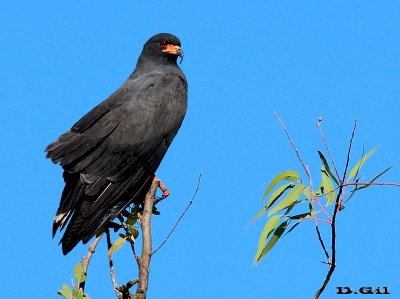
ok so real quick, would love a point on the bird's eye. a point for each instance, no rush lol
(163, 43)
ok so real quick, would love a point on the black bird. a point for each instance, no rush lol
(111, 154)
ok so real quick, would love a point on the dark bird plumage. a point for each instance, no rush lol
(110, 155)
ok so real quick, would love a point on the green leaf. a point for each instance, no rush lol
(116, 246)
(277, 193)
(131, 220)
(308, 194)
(134, 232)
(272, 241)
(75, 292)
(327, 168)
(327, 187)
(357, 167)
(268, 228)
(79, 274)
(290, 175)
(291, 206)
(65, 291)
(80, 294)
(290, 198)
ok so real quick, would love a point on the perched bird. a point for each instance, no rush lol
(111, 154)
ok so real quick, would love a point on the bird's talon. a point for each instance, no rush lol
(165, 191)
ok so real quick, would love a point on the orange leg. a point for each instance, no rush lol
(163, 188)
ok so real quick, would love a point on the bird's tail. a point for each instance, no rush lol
(91, 206)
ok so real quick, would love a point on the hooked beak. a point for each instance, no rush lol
(175, 50)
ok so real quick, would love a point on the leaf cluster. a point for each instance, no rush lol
(287, 191)
(76, 292)
(128, 220)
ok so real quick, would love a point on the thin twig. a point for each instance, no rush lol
(86, 259)
(294, 146)
(371, 184)
(322, 209)
(132, 243)
(349, 152)
(183, 214)
(322, 242)
(332, 264)
(320, 220)
(326, 146)
(112, 270)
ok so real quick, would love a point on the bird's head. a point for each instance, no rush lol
(163, 45)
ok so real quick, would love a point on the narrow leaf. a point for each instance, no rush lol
(278, 193)
(274, 197)
(290, 175)
(308, 194)
(327, 168)
(272, 241)
(291, 206)
(116, 246)
(358, 165)
(290, 198)
(327, 186)
(268, 228)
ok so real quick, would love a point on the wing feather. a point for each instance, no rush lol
(111, 154)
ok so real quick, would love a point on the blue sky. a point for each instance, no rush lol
(243, 60)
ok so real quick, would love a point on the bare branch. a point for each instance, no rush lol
(86, 259)
(327, 147)
(322, 242)
(112, 270)
(322, 209)
(371, 184)
(183, 214)
(349, 151)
